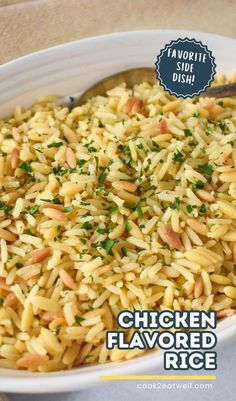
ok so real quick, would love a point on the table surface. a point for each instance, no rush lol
(30, 25)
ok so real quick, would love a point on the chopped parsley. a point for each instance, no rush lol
(194, 143)
(99, 190)
(81, 162)
(68, 209)
(90, 147)
(221, 103)
(19, 265)
(155, 147)
(102, 178)
(202, 209)
(208, 130)
(190, 208)
(60, 171)
(87, 225)
(235, 268)
(97, 164)
(57, 329)
(55, 201)
(112, 210)
(187, 133)
(55, 145)
(29, 232)
(196, 114)
(84, 203)
(1, 301)
(103, 230)
(124, 250)
(206, 168)
(175, 204)
(5, 207)
(32, 210)
(139, 211)
(197, 185)
(179, 157)
(108, 245)
(26, 167)
(140, 146)
(79, 319)
(128, 227)
(126, 150)
(222, 125)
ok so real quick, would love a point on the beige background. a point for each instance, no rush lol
(29, 25)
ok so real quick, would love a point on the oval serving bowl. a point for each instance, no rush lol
(71, 68)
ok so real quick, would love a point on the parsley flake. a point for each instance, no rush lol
(202, 209)
(108, 245)
(81, 162)
(139, 210)
(5, 207)
(103, 230)
(26, 167)
(87, 226)
(102, 178)
(175, 204)
(187, 133)
(68, 209)
(32, 210)
(55, 145)
(111, 210)
(206, 168)
(79, 319)
(179, 157)
(197, 185)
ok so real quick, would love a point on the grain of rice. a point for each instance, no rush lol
(45, 304)
(184, 272)
(230, 292)
(4, 251)
(206, 283)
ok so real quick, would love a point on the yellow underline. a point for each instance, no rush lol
(159, 377)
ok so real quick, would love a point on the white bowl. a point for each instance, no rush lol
(64, 70)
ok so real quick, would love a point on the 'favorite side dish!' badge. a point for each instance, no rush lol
(185, 67)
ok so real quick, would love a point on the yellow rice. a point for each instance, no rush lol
(104, 208)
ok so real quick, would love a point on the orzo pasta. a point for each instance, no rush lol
(127, 202)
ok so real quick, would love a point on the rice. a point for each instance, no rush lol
(126, 202)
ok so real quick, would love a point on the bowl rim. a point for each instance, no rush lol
(108, 36)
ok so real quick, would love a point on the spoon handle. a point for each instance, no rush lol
(220, 91)
(136, 76)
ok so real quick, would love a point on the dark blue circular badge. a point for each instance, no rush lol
(185, 67)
